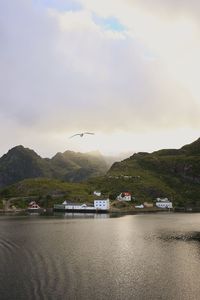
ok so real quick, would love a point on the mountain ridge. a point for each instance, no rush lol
(21, 163)
(170, 173)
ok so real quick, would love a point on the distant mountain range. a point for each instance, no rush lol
(171, 173)
(22, 163)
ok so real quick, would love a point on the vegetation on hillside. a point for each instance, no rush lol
(171, 173)
(46, 192)
(168, 173)
(22, 163)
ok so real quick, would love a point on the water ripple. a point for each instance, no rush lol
(175, 236)
(6, 244)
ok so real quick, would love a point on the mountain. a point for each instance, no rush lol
(74, 167)
(171, 173)
(192, 149)
(21, 163)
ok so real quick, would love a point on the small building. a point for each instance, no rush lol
(139, 206)
(162, 199)
(125, 196)
(163, 203)
(33, 205)
(76, 206)
(102, 204)
(127, 176)
(98, 206)
(97, 193)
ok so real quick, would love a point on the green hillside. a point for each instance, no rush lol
(22, 163)
(171, 173)
(75, 167)
(46, 192)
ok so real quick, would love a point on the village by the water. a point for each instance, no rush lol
(100, 205)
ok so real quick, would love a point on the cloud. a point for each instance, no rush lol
(167, 29)
(64, 70)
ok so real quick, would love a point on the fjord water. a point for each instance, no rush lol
(154, 256)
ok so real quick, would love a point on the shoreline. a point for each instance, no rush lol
(51, 211)
(111, 211)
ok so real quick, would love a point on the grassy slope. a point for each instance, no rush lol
(46, 192)
(160, 174)
(143, 184)
(172, 173)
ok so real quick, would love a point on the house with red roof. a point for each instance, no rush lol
(124, 196)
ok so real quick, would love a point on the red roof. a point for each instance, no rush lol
(33, 204)
(126, 194)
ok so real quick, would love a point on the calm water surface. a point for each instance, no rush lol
(154, 256)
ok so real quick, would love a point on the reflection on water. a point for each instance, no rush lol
(84, 215)
(189, 236)
(97, 257)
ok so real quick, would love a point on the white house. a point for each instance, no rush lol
(125, 196)
(102, 204)
(162, 199)
(97, 193)
(139, 206)
(34, 207)
(76, 206)
(163, 203)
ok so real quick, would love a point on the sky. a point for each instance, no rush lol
(126, 70)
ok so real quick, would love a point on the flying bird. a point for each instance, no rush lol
(81, 134)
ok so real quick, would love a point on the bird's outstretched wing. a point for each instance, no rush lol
(88, 132)
(81, 134)
(74, 135)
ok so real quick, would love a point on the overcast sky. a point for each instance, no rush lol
(127, 70)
